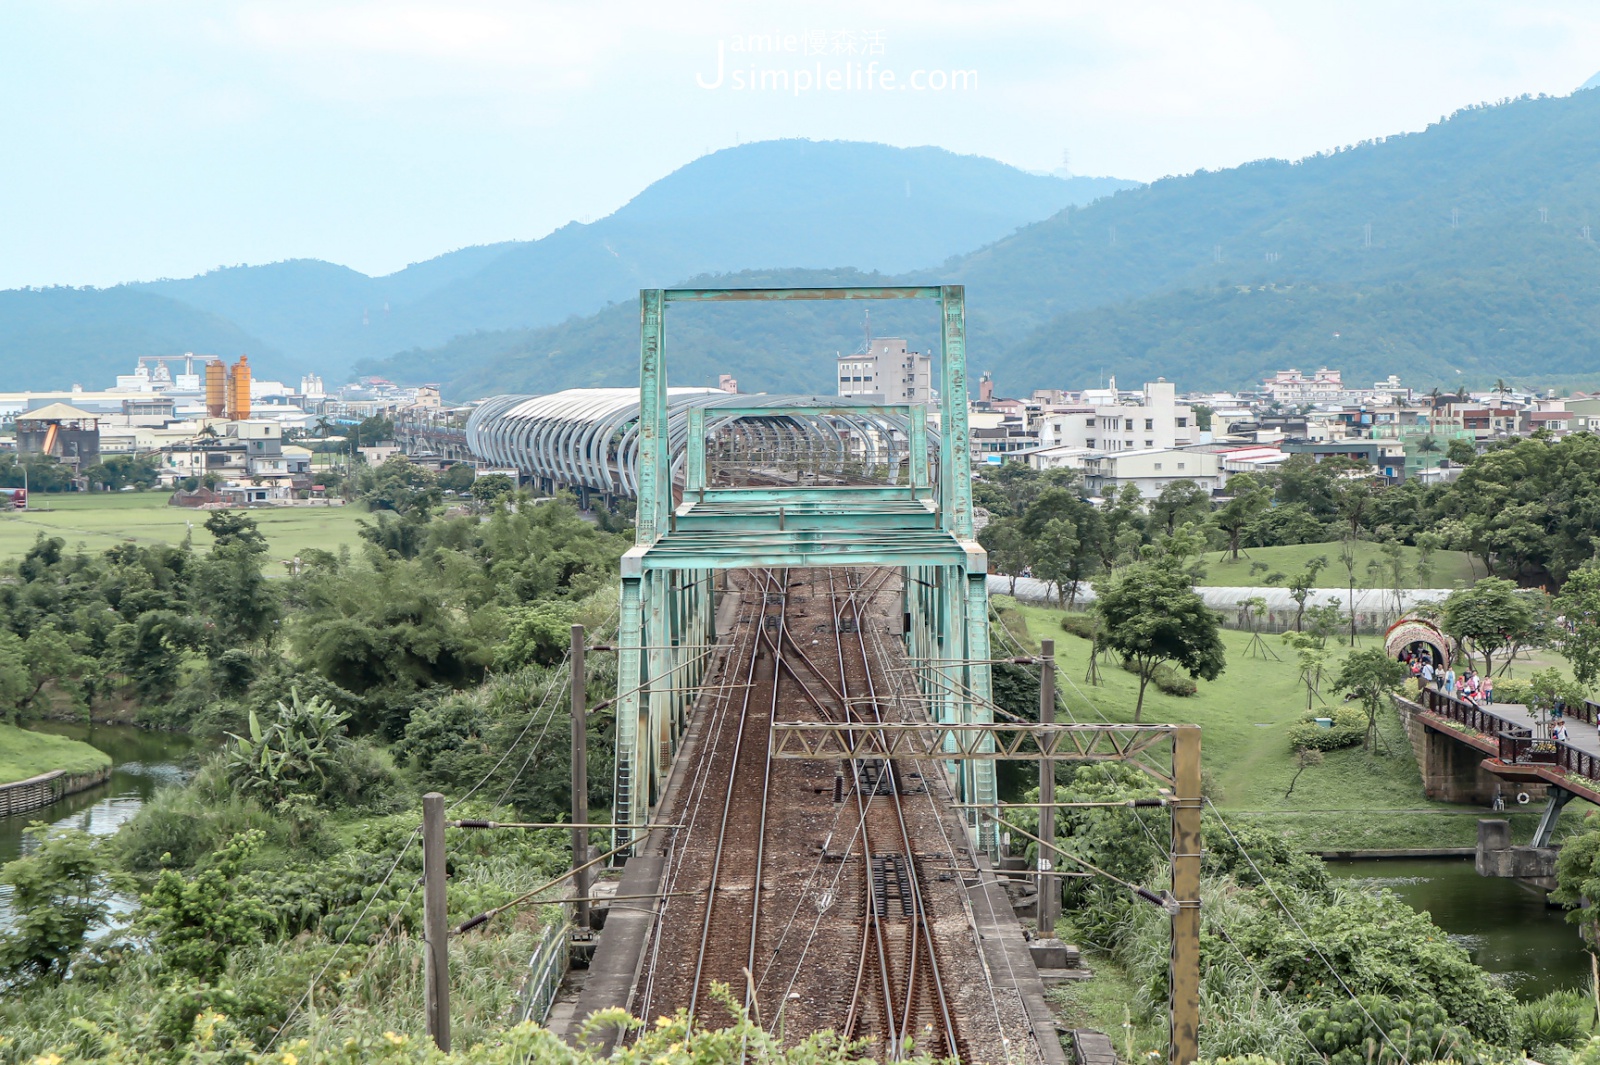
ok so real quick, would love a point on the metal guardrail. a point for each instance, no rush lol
(546, 969)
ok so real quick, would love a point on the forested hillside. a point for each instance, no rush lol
(1453, 256)
(790, 203)
(54, 338)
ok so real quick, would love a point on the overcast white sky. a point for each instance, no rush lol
(166, 137)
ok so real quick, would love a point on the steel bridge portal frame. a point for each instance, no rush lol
(922, 528)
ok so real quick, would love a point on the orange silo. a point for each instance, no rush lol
(216, 388)
(239, 391)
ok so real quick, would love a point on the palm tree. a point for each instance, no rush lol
(1434, 397)
(324, 426)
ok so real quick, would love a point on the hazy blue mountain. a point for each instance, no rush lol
(1592, 83)
(789, 203)
(57, 337)
(1460, 252)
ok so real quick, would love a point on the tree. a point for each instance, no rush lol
(1487, 618)
(58, 895)
(229, 528)
(1247, 500)
(1178, 503)
(1369, 676)
(1053, 556)
(1312, 655)
(1579, 604)
(458, 478)
(1461, 452)
(492, 486)
(1151, 615)
(1008, 550)
(1301, 585)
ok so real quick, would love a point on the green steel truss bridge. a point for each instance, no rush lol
(918, 521)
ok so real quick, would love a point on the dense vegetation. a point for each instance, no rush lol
(337, 696)
(1527, 509)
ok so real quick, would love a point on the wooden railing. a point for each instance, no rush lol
(1527, 750)
(1588, 710)
(1464, 713)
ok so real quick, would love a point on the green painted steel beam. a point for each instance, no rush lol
(741, 295)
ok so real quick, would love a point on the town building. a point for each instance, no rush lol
(68, 434)
(1153, 420)
(887, 372)
(1293, 388)
(1150, 470)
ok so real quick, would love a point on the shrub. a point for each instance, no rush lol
(1349, 729)
(1560, 1018)
(1382, 1031)
(1081, 625)
(1167, 679)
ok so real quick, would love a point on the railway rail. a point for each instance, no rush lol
(868, 959)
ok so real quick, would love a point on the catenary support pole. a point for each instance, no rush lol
(1184, 972)
(580, 780)
(1049, 897)
(434, 920)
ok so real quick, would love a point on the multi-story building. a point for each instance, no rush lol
(238, 452)
(1151, 470)
(1291, 387)
(887, 372)
(1156, 420)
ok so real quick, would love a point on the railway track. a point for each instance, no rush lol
(899, 997)
(732, 910)
(872, 938)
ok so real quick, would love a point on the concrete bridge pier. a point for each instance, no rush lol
(1534, 866)
(1453, 770)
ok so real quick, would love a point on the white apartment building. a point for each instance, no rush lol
(1156, 420)
(1151, 470)
(887, 373)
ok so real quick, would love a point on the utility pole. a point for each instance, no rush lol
(1183, 974)
(1049, 897)
(435, 926)
(580, 782)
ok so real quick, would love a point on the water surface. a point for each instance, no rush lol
(1507, 927)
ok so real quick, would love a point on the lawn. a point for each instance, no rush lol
(25, 754)
(1352, 801)
(1448, 566)
(104, 519)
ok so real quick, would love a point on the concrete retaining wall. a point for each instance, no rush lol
(42, 790)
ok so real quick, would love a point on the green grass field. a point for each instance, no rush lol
(1448, 566)
(102, 520)
(25, 754)
(1353, 800)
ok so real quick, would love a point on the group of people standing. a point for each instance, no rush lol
(1468, 687)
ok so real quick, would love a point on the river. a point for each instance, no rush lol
(1507, 928)
(142, 762)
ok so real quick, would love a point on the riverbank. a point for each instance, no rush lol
(25, 754)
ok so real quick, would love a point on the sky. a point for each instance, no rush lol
(164, 138)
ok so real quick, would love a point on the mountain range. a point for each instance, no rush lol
(1456, 255)
(789, 203)
(1453, 256)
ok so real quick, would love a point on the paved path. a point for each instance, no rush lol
(1580, 734)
